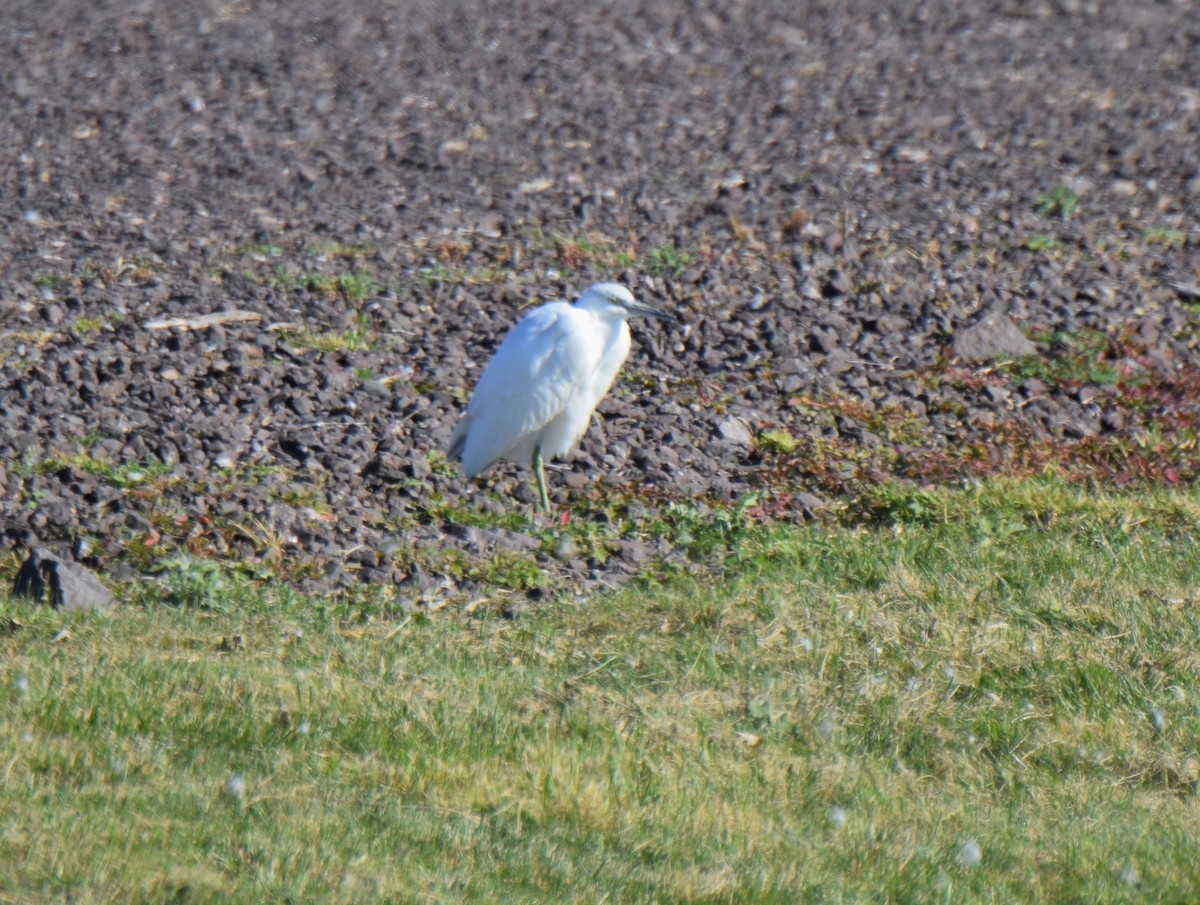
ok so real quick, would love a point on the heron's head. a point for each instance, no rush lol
(613, 300)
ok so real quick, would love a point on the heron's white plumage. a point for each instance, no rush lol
(551, 371)
(541, 386)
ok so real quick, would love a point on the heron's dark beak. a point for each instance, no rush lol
(650, 311)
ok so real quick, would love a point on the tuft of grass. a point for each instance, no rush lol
(136, 269)
(36, 338)
(987, 694)
(1059, 202)
(188, 581)
(124, 475)
(889, 421)
(577, 250)
(1042, 242)
(356, 285)
(776, 441)
(589, 249)
(353, 285)
(345, 251)
(360, 337)
(1076, 357)
(85, 325)
(88, 440)
(440, 272)
(259, 250)
(668, 261)
(1171, 238)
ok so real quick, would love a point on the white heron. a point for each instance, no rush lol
(537, 394)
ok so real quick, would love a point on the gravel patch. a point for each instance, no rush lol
(254, 259)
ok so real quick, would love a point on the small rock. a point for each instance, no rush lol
(418, 467)
(836, 362)
(1080, 428)
(992, 336)
(45, 578)
(512, 541)
(374, 576)
(996, 394)
(891, 324)
(824, 340)
(1032, 386)
(635, 552)
(811, 505)
(735, 432)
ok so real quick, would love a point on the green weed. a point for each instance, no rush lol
(353, 286)
(123, 475)
(1042, 242)
(1171, 238)
(1078, 357)
(1058, 202)
(668, 261)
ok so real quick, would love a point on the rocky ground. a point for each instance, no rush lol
(908, 241)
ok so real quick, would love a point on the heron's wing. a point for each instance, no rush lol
(544, 360)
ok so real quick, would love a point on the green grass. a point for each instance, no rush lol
(349, 252)
(667, 260)
(1058, 202)
(1075, 357)
(841, 714)
(576, 250)
(359, 337)
(354, 285)
(259, 249)
(584, 249)
(778, 441)
(1042, 242)
(85, 325)
(1168, 237)
(124, 475)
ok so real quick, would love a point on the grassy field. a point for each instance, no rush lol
(987, 695)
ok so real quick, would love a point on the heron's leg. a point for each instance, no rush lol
(538, 471)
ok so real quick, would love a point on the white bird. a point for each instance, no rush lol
(537, 394)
